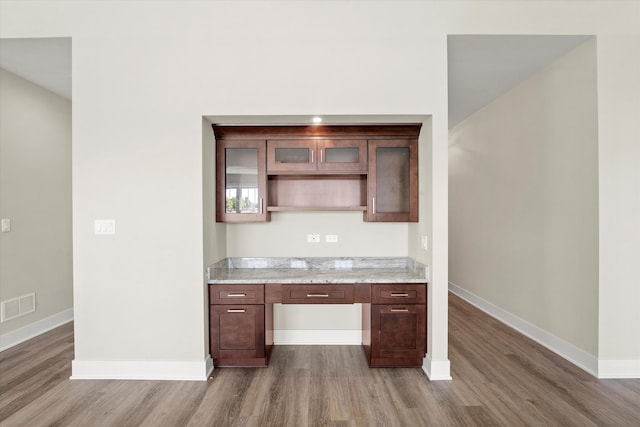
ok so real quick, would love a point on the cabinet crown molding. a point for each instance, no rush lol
(375, 131)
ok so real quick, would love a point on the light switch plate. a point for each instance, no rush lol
(6, 225)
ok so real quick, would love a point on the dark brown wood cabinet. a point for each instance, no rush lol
(368, 168)
(392, 182)
(394, 325)
(393, 319)
(238, 325)
(241, 181)
(316, 156)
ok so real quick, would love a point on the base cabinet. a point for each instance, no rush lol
(393, 320)
(238, 335)
(398, 335)
(239, 325)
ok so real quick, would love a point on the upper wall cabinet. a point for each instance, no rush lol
(321, 155)
(392, 184)
(368, 168)
(241, 181)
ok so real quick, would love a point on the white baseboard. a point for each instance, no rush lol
(209, 365)
(141, 370)
(568, 351)
(34, 329)
(317, 337)
(436, 370)
(618, 369)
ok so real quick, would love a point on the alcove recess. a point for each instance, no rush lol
(368, 168)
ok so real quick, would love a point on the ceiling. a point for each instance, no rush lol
(481, 67)
(43, 61)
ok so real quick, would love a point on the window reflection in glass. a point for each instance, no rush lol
(241, 193)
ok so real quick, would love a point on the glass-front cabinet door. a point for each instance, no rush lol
(342, 155)
(392, 184)
(291, 155)
(317, 155)
(241, 181)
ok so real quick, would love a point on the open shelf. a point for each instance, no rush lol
(319, 193)
(315, 208)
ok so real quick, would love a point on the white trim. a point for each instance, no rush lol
(34, 329)
(436, 370)
(317, 337)
(568, 351)
(141, 370)
(619, 368)
(208, 365)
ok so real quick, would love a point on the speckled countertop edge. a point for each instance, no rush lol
(328, 270)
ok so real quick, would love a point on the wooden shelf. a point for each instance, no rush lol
(315, 208)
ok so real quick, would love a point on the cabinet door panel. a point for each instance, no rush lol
(291, 156)
(392, 184)
(398, 331)
(241, 181)
(342, 155)
(237, 331)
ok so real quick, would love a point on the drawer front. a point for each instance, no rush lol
(317, 294)
(399, 294)
(236, 294)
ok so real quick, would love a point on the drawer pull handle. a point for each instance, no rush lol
(317, 295)
(237, 295)
(235, 310)
(399, 309)
(399, 294)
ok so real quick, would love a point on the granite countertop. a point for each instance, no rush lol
(317, 270)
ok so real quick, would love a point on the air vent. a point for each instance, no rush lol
(16, 307)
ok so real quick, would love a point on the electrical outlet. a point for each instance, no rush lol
(331, 238)
(104, 226)
(313, 238)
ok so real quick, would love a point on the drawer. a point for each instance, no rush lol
(399, 294)
(236, 294)
(317, 294)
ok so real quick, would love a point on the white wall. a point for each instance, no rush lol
(523, 176)
(35, 194)
(142, 86)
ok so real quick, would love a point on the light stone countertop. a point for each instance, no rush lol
(317, 270)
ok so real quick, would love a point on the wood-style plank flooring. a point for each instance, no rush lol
(500, 378)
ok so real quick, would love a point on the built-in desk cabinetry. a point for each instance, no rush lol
(239, 325)
(393, 319)
(398, 325)
(264, 169)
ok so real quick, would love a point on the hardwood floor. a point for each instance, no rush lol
(500, 378)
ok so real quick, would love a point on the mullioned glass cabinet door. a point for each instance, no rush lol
(241, 181)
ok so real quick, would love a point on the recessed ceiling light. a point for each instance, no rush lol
(317, 120)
